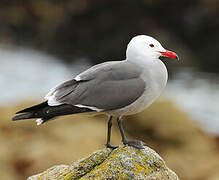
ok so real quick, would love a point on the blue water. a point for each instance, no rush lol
(28, 75)
(197, 93)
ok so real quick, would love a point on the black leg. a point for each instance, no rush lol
(109, 134)
(134, 143)
(119, 121)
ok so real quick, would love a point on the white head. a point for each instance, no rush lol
(146, 47)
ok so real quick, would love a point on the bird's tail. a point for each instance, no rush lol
(45, 112)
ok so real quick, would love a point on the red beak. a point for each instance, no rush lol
(170, 54)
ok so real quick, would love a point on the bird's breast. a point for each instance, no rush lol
(155, 78)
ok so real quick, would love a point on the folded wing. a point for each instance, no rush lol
(108, 86)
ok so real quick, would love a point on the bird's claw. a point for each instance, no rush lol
(111, 146)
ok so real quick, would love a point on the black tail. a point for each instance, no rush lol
(46, 112)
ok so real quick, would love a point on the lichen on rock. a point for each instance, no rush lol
(122, 163)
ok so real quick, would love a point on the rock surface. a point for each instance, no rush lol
(122, 163)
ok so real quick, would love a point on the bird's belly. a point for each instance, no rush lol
(147, 98)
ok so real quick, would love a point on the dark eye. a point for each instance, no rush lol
(151, 45)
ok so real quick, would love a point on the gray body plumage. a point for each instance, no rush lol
(110, 87)
(107, 86)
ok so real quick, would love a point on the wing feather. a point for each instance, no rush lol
(109, 86)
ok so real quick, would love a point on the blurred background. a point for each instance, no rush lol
(45, 42)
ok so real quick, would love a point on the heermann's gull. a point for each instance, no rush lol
(116, 88)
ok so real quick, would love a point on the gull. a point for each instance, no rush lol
(115, 88)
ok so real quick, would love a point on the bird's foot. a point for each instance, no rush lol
(136, 144)
(111, 146)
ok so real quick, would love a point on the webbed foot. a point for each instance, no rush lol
(136, 144)
(111, 146)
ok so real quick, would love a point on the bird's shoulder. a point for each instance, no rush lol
(115, 69)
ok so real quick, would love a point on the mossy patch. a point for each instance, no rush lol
(122, 163)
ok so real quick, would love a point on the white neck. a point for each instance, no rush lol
(141, 59)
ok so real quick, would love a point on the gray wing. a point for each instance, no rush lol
(107, 86)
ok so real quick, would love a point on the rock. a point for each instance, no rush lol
(122, 163)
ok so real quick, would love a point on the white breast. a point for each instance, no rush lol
(155, 77)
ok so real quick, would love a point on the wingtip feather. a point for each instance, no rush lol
(22, 116)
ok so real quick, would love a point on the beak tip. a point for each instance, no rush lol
(177, 57)
(170, 54)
